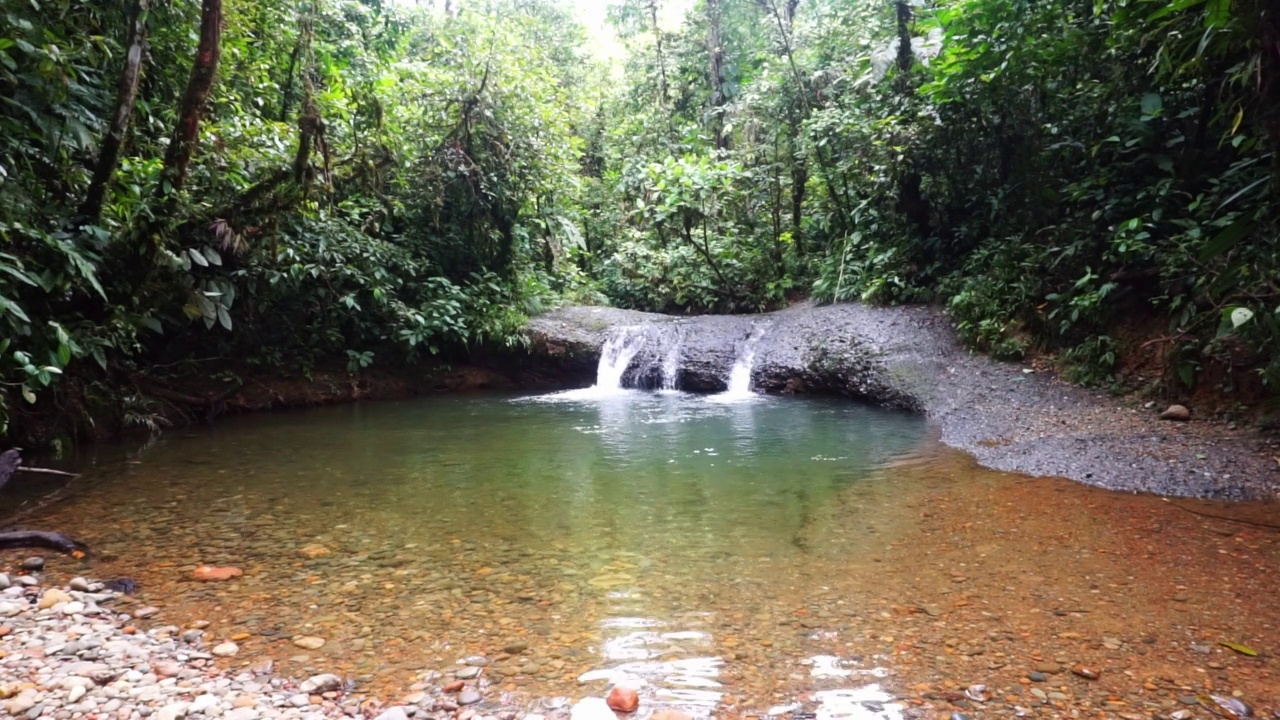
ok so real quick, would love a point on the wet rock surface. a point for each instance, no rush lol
(1007, 416)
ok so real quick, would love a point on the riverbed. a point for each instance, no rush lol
(730, 558)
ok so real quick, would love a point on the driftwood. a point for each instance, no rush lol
(11, 463)
(36, 538)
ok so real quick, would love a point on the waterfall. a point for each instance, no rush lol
(740, 376)
(615, 357)
(671, 359)
(646, 356)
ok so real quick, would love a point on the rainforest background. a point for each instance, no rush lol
(196, 190)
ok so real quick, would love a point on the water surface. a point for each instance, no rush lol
(732, 557)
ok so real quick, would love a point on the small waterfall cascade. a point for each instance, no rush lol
(674, 344)
(615, 357)
(640, 356)
(740, 375)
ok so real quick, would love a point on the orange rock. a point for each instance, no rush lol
(315, 550)
(5, 630)
(453, 687)
(623, 700)
(207, 573)
(130, 630)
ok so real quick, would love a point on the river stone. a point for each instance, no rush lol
(321, 684)
(226, 649)
(33, 564)
(52, 597)
(395, 713)
(469, 697)
(309, 642)
(203, 703)
(467, 673)
(1176, 413)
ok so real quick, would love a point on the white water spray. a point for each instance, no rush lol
(740, 375)
(615, 357)
(671, 360)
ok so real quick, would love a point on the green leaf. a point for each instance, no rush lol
(1151, 103)
(1226, 239)
(224, 317)
(1242, 649)
(197, 257)
(1217, 14)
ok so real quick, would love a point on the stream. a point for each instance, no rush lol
(730, 554)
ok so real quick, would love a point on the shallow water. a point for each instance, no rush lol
(732, 557)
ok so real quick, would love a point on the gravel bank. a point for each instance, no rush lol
(1005, 415)
(64, 653)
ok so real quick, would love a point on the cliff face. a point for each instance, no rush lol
(1007, 416)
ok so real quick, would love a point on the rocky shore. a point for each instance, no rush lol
(66, 653)
(1008, 416)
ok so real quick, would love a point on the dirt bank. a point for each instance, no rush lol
(1007, 416)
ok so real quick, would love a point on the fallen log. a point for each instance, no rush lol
(10, 462)
(37, 538)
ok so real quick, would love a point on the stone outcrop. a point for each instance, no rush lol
(1009, 417)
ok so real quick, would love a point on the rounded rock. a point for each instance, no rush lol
(33, 564)
(226, 649)
(1086, 672)
(623, 700)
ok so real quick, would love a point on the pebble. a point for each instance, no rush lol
(33, 564)
(467, 673)
(623, 700)
(1086, 672)
(317, 684)
(468, 697)
(1176, 413)
(309, 642)
(226, 649)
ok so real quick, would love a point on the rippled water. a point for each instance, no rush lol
(750, 557)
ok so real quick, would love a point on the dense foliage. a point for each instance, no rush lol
(284, 184)
(1062, 175)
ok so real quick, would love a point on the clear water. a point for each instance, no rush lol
(604, 529)
(732, 558)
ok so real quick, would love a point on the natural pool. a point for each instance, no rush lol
(732, 557)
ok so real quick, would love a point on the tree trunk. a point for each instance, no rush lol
(715, 55)
(181, 147)
(1269, 20)
(126, 97)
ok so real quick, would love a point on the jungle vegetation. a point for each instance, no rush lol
(224, 186)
